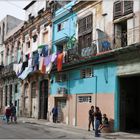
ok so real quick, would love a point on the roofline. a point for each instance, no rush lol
(30, 4)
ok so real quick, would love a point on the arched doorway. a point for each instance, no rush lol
(26, 100)
(43, 99)
(33, 100)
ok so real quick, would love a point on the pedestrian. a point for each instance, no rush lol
(97, 121)
(13, 113)
(55, 113)
(91, 118)
(8, 113)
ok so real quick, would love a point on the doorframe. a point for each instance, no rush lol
(117, 105)
(39, 112)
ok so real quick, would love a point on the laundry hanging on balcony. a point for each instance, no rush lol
(17, 68)
(59, 61)
(42, 66)
(27, 70)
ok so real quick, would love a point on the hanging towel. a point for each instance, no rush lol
(41, 63)
(25, 73)
(48, 68)
(43, 70)
(27, 70)
(47, 60)
(54, 56)
(59, 61)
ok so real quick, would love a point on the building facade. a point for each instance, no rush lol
(75, 54)
(8, 79)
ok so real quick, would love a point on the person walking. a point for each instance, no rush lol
(8, 113)
(91, 118)
(98, 120)
(13, 113)
(55, 114)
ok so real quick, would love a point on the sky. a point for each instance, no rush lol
(13, 7)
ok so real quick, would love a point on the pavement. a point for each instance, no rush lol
(87, 134)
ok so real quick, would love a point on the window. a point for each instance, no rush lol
(12, 54)
(84, 99)
(45, 38)
(85, 24)
(35, 38)
(16, 88)
(6, 96)
(28, 44)
(61, 77)
(122, 8)
(60, 27)
(85, 32)
(85, 73)
(2, 58)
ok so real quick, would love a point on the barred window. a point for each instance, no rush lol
(85, 73)
(61, 77)
(84, 99)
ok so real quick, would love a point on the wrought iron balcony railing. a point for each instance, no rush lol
(104, 45)
(7, 71)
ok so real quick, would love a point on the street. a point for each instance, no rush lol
(28, 128)
(35, 131)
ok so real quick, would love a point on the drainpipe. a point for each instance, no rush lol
(76, 110)
(95, 90)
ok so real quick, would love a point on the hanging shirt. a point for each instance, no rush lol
(43, 69)
(45, 51)
(47, 60)
(59, 61)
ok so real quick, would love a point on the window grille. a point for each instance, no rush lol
(86, 73)
(61, 77)
(84, 99)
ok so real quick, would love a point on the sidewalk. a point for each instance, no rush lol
(116, 135)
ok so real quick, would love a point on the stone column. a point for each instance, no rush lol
(13, 93)
(22, 99)
(8, 94)
(4, 96)
(30, 99)
(37, 97)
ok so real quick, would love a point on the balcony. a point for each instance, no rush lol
(7, 71)
(104, 45)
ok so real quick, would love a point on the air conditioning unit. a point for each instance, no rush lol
(62, 90)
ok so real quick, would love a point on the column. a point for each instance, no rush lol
(30, 100)
(22, 99)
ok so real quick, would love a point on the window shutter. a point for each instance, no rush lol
(117, 9)
(128, 7)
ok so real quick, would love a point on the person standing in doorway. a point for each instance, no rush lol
(55, 114)
(91, 118)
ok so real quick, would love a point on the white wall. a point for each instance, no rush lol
(33, 9)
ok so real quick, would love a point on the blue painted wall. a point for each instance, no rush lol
(106, 79)
(66, 16)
